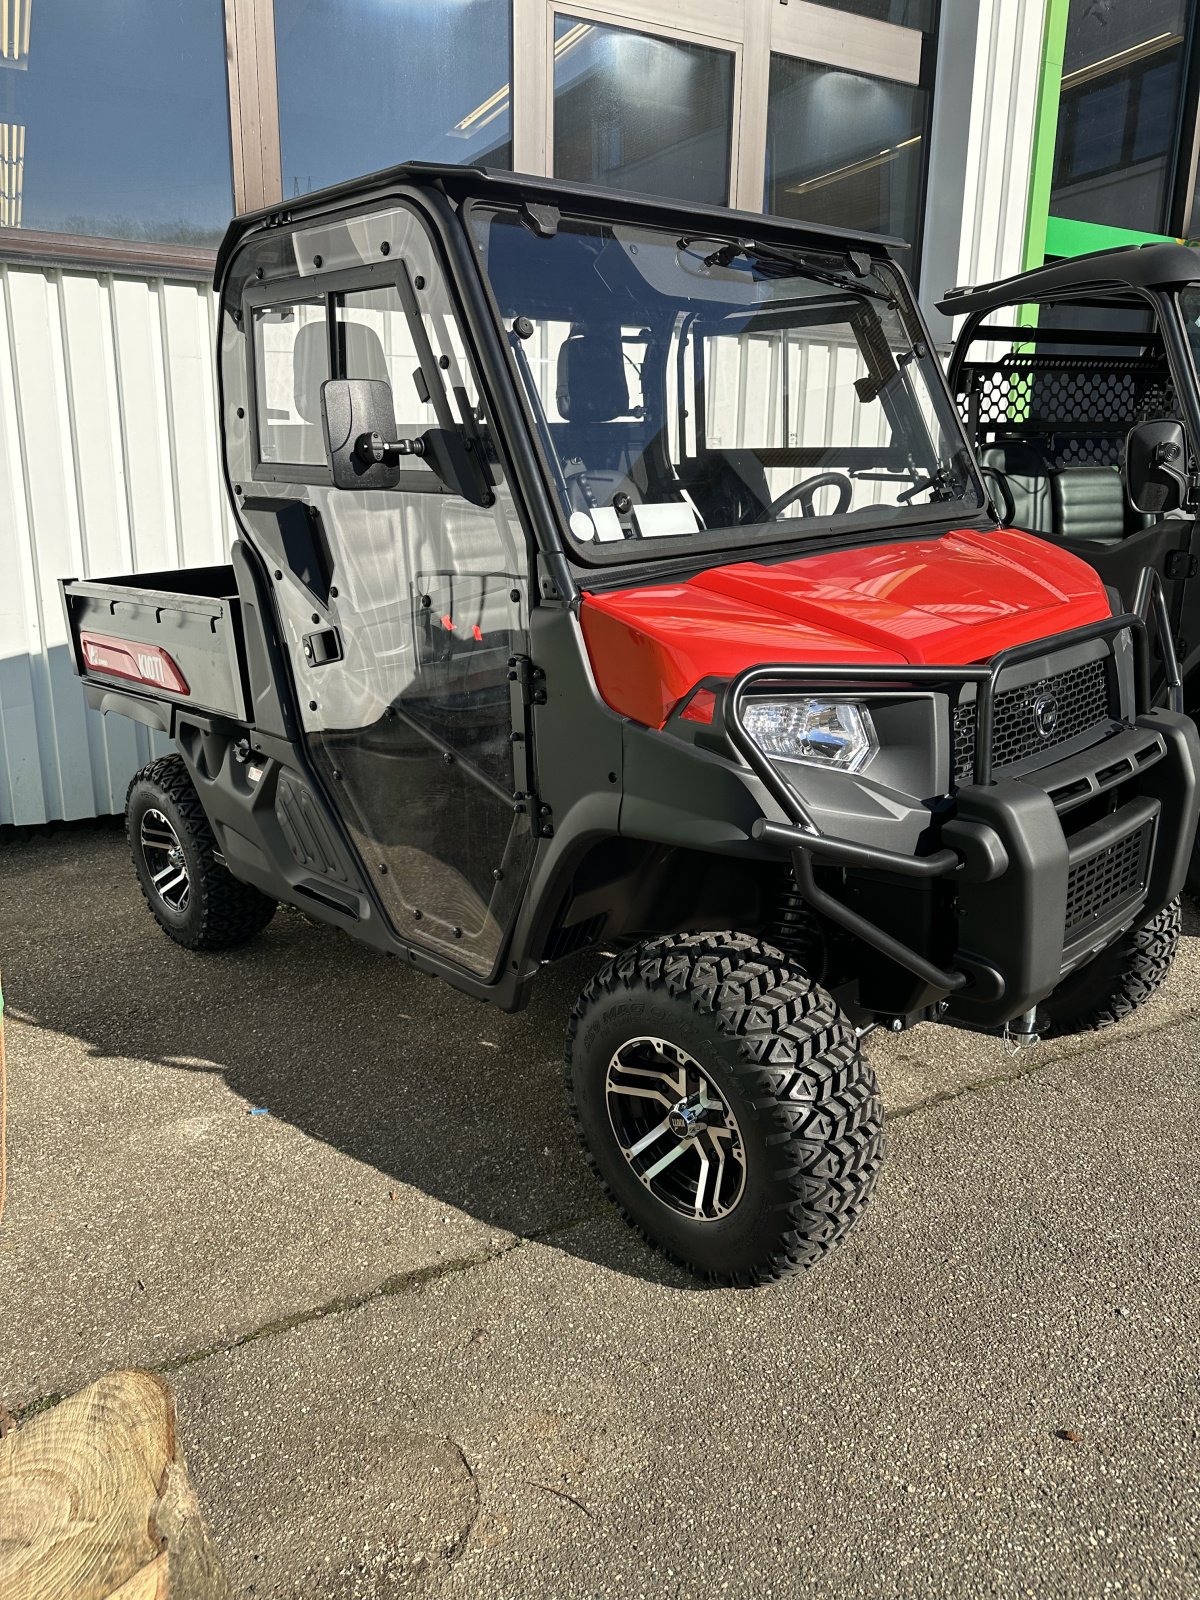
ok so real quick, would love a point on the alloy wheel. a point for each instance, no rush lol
(165, 861)
(674, 1129)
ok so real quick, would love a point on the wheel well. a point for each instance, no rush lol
(623, 889)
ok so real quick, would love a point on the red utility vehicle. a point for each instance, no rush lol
(615, 575)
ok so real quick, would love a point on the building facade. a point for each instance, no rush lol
(987, 133)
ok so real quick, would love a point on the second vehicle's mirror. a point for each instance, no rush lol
(1156, 476)
(359, 418)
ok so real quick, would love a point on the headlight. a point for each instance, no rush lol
(836, 734)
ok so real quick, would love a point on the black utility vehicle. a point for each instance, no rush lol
(1077, 382)
(614, 575)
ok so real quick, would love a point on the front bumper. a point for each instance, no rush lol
(1022, 878)
(1036, 897)
(1020, 892)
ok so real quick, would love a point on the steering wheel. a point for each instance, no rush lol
(804, 493)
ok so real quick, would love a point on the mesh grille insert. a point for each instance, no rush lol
(1076, 409)
(1080, 704)
(1105, 878)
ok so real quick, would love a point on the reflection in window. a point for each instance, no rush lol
(365, 84)
(844, 149)
(907, 13)
(114, 119)
(1189, 309)
(291, 362)
(637, 112)
(1119, 113)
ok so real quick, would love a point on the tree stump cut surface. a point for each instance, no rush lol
(95, 1502)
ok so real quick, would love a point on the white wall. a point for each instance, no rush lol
(984, 106)
(108, 465)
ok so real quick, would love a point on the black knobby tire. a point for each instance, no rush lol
(219, 911)
(787, 1064)
(1117, 982)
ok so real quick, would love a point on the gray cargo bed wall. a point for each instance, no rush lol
(194, 615)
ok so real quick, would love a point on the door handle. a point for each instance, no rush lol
(322, 647)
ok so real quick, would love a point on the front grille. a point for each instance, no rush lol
(1080, 696)
(1102, 880)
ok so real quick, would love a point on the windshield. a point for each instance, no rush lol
(1189, 307)
(713, 391)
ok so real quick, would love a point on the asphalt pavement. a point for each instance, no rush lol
(342, 1208)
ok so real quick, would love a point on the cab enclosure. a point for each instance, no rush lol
(1077, 385)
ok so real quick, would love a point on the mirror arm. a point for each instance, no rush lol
(370, 447)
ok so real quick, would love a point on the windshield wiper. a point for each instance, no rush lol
(766, 256)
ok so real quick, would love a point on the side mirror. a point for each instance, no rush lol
(1156, 478)
(359, 420)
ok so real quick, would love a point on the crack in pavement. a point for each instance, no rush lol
(399, 1283)
(420, 1277)
(457, 1549)
(561, 1494)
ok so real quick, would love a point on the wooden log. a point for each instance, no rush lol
(95, 1502)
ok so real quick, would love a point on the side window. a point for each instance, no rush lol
(291, 362)
(421, 358)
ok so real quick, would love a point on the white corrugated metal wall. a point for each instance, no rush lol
(984, 116)
(108, 464)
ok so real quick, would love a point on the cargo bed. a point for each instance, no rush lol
(155, 637)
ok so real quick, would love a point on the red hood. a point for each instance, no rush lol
(950, 600)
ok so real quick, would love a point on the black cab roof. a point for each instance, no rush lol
(1144, 266)
(461, 184)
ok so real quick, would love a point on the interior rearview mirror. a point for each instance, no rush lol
(1156, 475)
(359, 420)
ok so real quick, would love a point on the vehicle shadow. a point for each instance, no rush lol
(390, 1067)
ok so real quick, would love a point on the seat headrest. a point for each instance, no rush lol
(1089, 503)
(1015, 456)
(591, 376)
(361, 357)
(310, 368)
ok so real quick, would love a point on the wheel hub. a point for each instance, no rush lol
(165, 861)
(688, 1117)
(679, 1136)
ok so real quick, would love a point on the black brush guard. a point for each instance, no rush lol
(1005, 850)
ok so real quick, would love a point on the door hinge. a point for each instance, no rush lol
(1181, 564)
(527, 685)
(530, 681)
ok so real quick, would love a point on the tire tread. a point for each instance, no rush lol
(231, 912)
(800, 1063)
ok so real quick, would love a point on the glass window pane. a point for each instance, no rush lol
(633, 111)
(907, 13)
(685, 392)
(1118, 116)
(114, 120)
(291, 362)
(364, 84)
(844, 149)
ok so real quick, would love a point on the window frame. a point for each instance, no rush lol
(281, 292)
